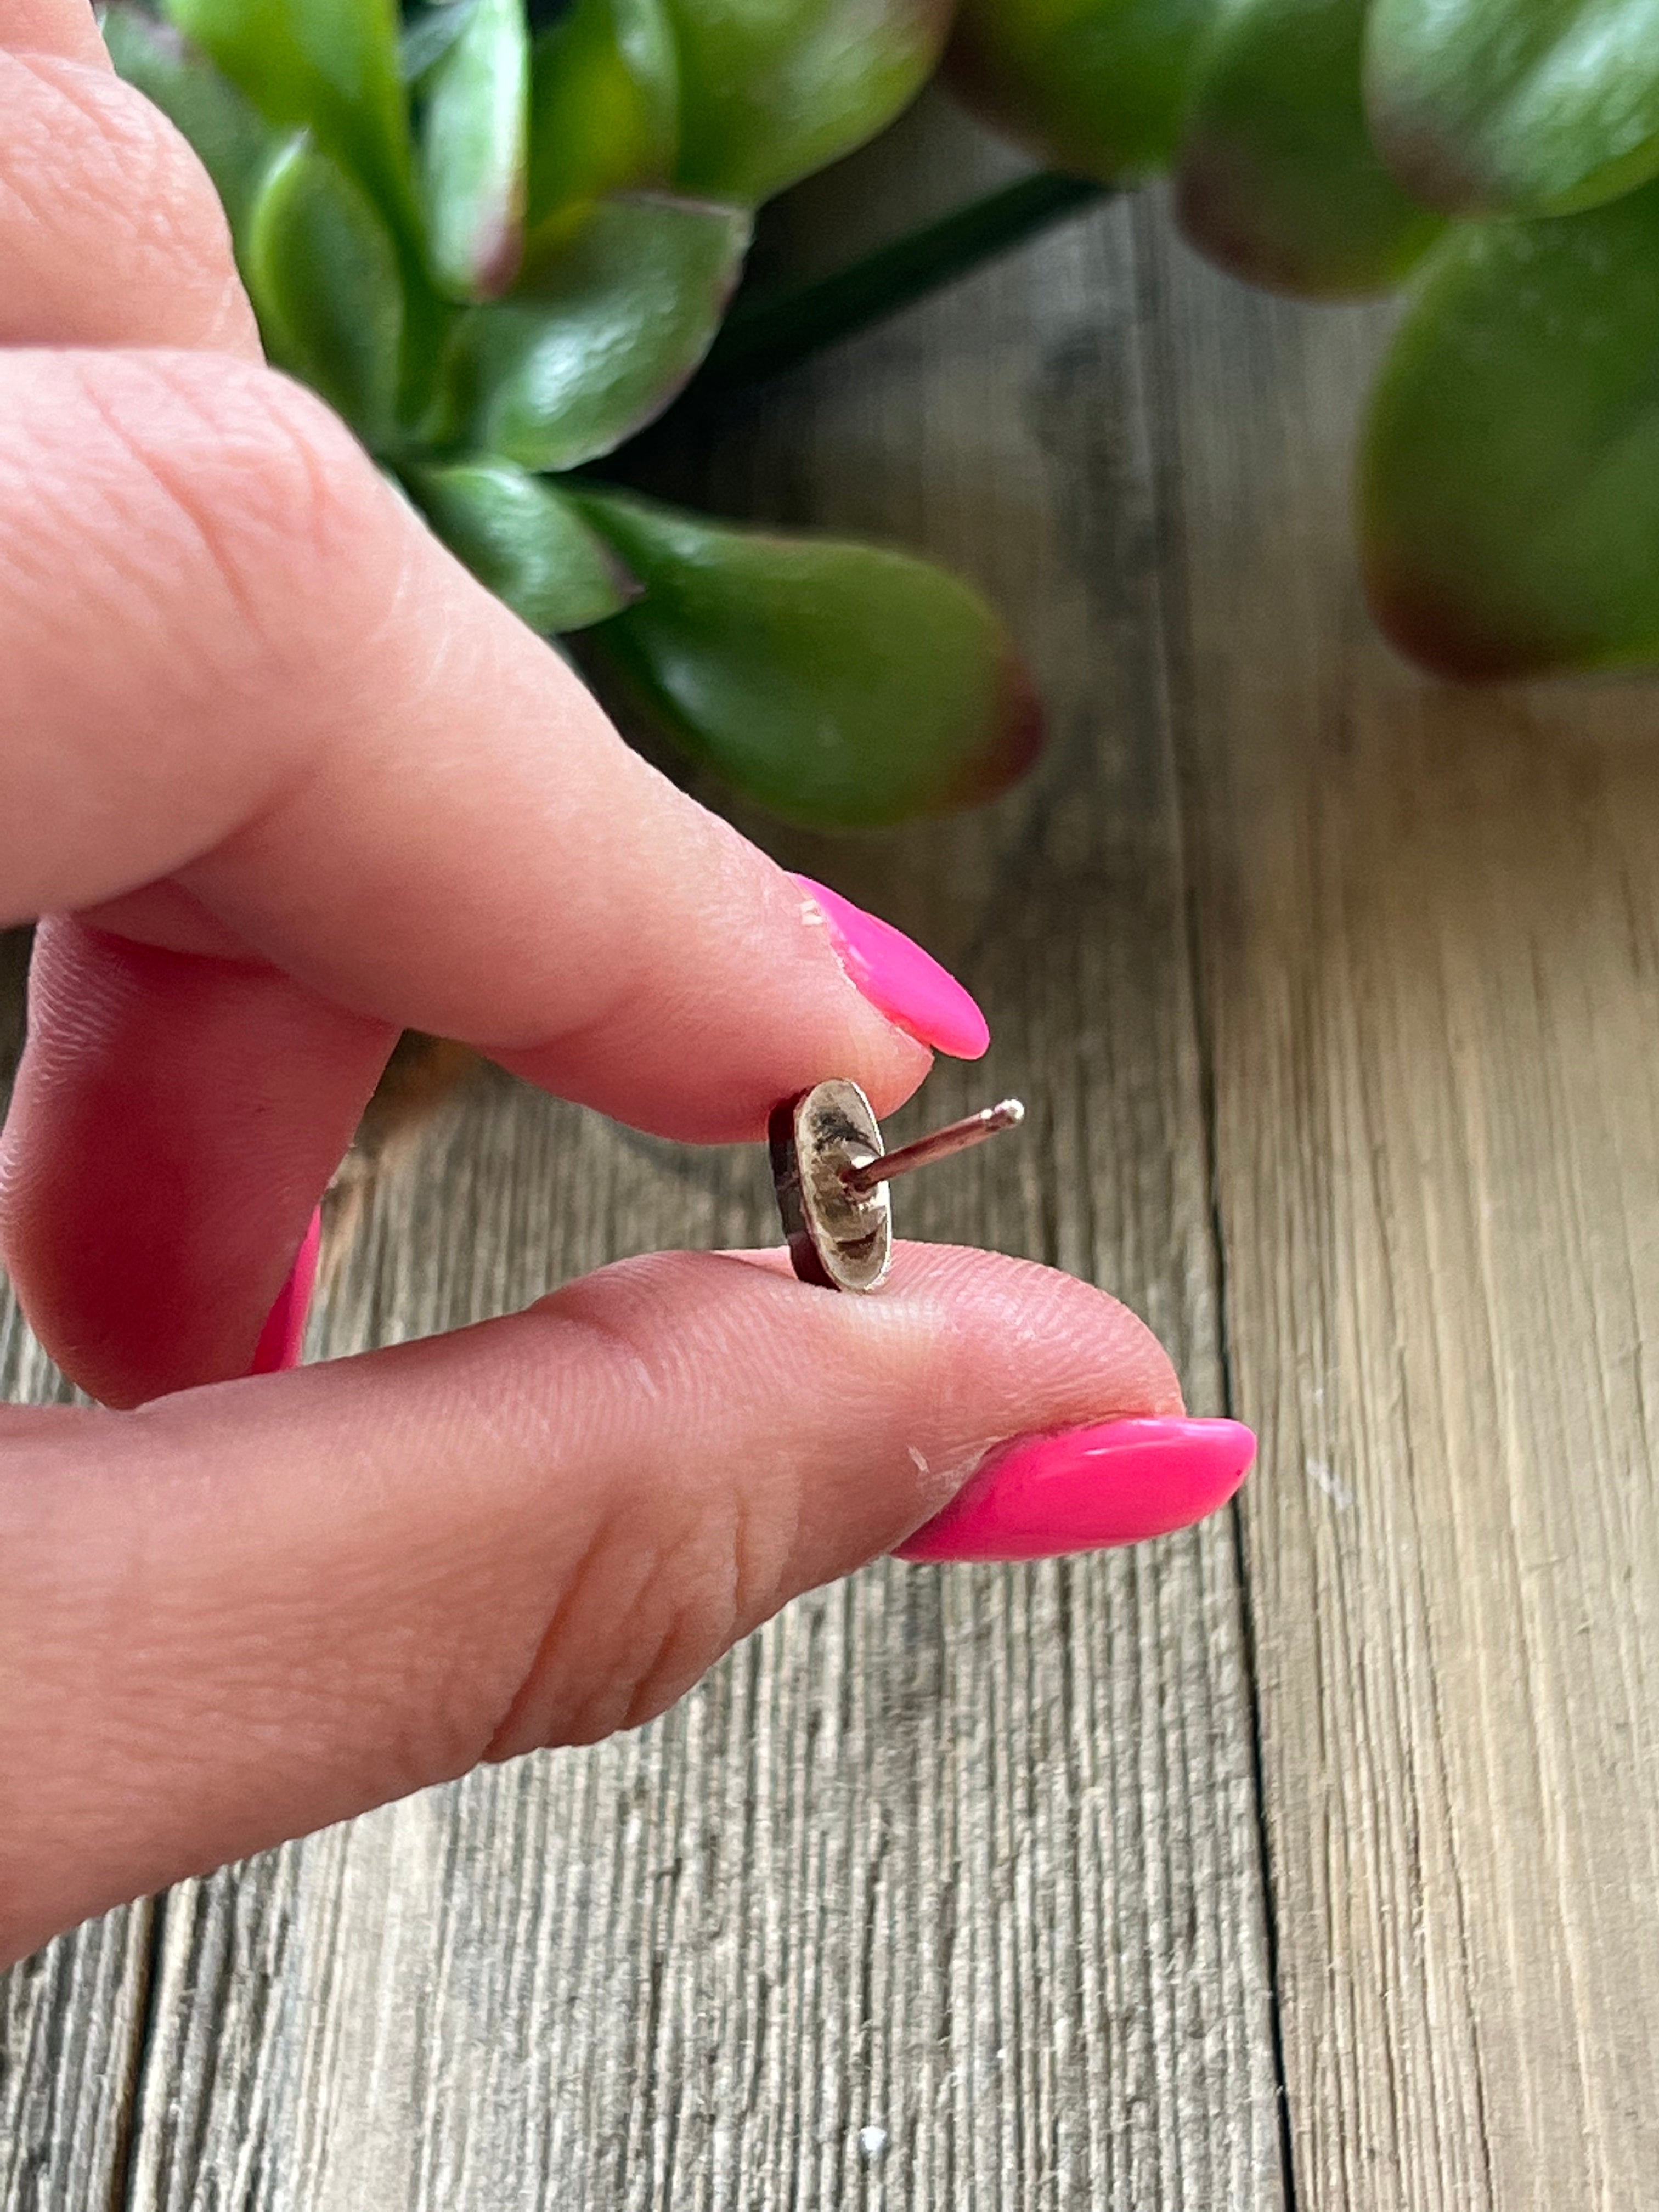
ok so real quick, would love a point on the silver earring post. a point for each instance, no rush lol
(830, 1169)
(958, 1137)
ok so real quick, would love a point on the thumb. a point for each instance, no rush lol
(245, 1612)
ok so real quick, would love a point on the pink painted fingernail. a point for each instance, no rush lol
(1117, 1482)
(898, 978)
(284, 1333)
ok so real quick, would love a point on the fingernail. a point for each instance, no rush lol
(898, 978)
(283, 1336)
(1117, 1482)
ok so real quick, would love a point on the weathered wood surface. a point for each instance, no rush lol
(1429, 933)
(1324, 986)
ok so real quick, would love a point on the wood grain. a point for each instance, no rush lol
(1431, 997)
(945, 1890)
(70, 2050)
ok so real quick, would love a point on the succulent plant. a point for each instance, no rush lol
(499, 247)
(1503, 156)
(501, 250)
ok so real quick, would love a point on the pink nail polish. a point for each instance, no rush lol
(1117, 1482)
(282, 1337)
(899, 979)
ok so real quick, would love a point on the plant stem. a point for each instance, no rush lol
(777, 328)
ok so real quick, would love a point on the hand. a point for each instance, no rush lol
(285, 781)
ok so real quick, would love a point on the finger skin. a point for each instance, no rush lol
(247, 1612)
(111, 233)
(173, 1124)
(236, 659)
(53, 27)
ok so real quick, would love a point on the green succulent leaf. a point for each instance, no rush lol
(772, 89)
(1517, 107)
(322, 269)
(839, 684)
(330, 66)
(428, 36)
(1278, 180)
(601, 335)
(232, 142)
(524, 540)
(1509, 470)
(474, 136)
(604, 109)
(1097, 88)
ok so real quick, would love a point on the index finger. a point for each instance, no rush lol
(239, 662)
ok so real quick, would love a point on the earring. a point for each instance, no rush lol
(830, 1170)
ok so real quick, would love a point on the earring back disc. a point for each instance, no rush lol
(839, 1238)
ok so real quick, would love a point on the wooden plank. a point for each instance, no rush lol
(1430, 966)
(945, 1891)
(70, 2044)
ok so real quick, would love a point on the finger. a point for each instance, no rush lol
(111, 233)
(173, 1122)
(250, 1611)
(53, 27)
(236, 659)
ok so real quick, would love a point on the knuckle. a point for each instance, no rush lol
(289, 470)
(690, 1548)
(647, 1611)
(261, 484)
(226, 534)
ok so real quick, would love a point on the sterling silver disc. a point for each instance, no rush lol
(838, 1238)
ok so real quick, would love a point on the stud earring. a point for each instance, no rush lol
(830, 1169)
